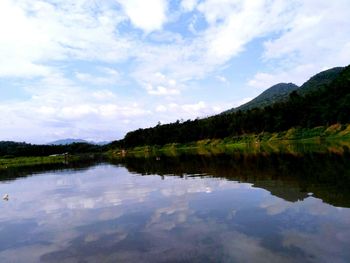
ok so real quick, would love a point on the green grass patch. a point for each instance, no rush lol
(13, 162)
(29, 161)
(292, 141)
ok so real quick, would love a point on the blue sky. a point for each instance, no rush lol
(97, 69)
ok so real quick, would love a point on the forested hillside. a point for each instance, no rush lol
(320, 80)
(280, 92)
(329, 104)
(276, 93)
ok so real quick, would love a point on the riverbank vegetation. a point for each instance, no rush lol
(31, 161)
(10, 149)
(335, 138)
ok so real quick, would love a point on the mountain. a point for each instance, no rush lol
(67, 141)
(276, 93)
(70, 141)
(320, 80)
(280, 92)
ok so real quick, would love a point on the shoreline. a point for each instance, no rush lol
(29, 161)
(335, 138)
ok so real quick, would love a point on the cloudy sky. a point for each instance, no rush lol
(95, 69)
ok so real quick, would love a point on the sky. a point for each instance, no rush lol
(96, 69)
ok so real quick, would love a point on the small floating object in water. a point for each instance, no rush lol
(6, 197)
(158, 158)
(208, 190)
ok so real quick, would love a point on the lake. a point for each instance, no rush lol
(185, 208)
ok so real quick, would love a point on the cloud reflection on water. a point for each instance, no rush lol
(107, 214)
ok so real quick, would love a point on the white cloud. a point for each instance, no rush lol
(109, 76)
(148, 15)
(221, 79)
(161, 108)
(66, 110)
(33, 33)
(232, 24)
(189, 5)
(159, 84)
(170, 112)
(317, 38)
(235, 23)
(161, 90)
(304, 44)
(318, 29)
(297, 75)
(194, 107)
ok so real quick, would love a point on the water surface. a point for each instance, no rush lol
(188, 208)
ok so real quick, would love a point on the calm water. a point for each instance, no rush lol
(225, 208)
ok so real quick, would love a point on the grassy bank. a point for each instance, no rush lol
(33, 161)
(29, 161)
(335, 138)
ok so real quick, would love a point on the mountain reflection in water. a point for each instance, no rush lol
(291, 177)
(233, 207)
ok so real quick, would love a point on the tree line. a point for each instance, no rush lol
(10, 149)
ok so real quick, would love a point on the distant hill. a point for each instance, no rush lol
(100, 143)
(276, 93)
(320, 80)
(70, 141)
(67, 141)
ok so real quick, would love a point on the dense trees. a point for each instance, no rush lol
(329, 104)
(277, 93)
(12, 149)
